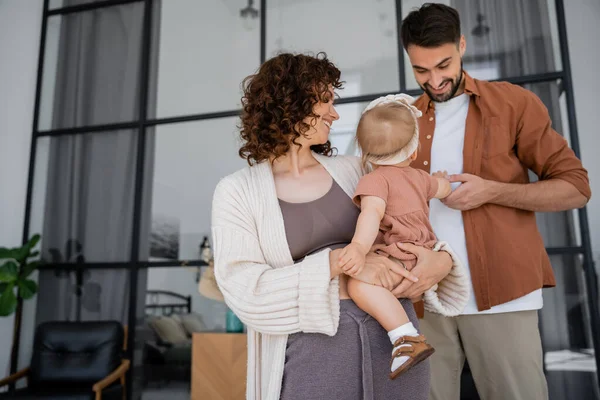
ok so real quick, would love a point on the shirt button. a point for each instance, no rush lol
(428, 136)
(425, 163)
(431, 118)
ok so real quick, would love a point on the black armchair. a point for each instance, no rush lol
(74, 361)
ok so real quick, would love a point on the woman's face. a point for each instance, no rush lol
(318, 133)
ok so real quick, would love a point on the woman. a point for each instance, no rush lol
(278, 229)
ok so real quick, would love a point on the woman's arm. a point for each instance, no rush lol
(300, 297)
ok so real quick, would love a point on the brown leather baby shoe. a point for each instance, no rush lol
(414, 347)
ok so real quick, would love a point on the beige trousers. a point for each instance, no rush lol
(504, 352)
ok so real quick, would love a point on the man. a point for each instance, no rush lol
(487, 135)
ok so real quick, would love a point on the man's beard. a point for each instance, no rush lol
(455, 85)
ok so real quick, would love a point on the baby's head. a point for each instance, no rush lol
(387, 132)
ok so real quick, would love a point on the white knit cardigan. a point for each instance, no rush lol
(258, 278)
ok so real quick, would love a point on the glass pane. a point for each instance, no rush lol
(343, 131)
(204, 50)
(83, 294)
(566, 335)
(162, 363)
(505, 38)
(187, 162)
(360, 37)
(559, 229)
(77, 295)
(83, 193)
(91, 67)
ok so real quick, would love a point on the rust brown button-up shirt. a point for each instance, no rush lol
(508, 131)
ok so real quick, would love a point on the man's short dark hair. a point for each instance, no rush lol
(432, 25)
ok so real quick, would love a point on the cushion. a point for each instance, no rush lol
(192, 323)
(168, 330)
(75, 354)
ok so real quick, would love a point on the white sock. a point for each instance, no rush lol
(407, 329)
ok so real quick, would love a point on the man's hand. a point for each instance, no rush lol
(352, 259)
(432, 267)
(472, 193)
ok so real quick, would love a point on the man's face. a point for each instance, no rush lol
(438, 70)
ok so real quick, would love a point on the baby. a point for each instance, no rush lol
(394, 209)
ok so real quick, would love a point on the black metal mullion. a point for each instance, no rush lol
(36, 112)
(558, 251)
(135, 124)
(516, 80)
(139, 187)
(193, 117)
(522, 80)
(88, 129)
(89, 6)
(588, 260)
(173, 264)
(565, 250)
(123, 265)
(401, 72)
(87, 265)
(361, 99)
(263, 31)
(532, 79)
(32, 155)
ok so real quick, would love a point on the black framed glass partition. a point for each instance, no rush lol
(135, 122)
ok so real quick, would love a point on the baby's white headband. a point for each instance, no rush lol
(406, 101)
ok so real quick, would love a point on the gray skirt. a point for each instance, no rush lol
(352, 365)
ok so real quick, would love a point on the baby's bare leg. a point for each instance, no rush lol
(379, 303)
(382, 305)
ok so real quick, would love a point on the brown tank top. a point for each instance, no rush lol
(328, 221)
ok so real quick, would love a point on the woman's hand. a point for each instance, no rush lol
(381, 271)
(335, 268)
(432, 267)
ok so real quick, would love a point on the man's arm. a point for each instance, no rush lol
(543, 196)
(563, 182)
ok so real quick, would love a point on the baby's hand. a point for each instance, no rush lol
(441, 174)
(352, 259)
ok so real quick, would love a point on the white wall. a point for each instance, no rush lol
(582, 31)
(20, 23)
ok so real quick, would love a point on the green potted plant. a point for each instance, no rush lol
(15, 285)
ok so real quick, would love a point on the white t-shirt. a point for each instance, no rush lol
(447, 223)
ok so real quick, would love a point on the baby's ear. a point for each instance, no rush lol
(414, 155)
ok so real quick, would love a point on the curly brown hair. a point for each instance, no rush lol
(278, 98)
